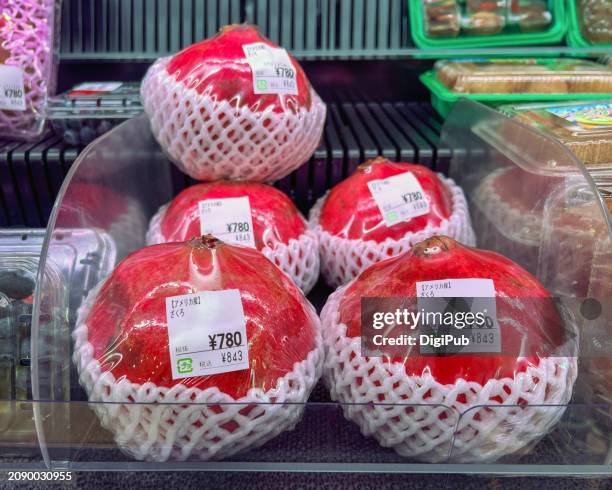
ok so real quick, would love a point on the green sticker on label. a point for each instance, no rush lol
(184, 365)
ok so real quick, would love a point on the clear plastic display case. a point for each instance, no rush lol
(119, 182)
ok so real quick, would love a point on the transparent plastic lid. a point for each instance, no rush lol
(97, 99)
(584, 127)
(532, 75)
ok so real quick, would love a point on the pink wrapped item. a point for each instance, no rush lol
(27, 65)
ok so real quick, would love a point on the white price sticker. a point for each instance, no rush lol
(399, 198)
(457, 288)
(273, 72)
(470, 307)
(206, 333)
(12, 92)
(228, 219)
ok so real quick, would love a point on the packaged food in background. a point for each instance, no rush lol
(91, 109)
(28, 65)
(595, 20)
(484, 17)
(584, 127)
(483, 23)
(537, 76)
(530, 15)
(442, 18)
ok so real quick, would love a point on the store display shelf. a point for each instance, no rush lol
(136, 30)
(32, 173)
(398, 53)
(568, 255)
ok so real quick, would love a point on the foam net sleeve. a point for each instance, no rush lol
(156, 423)
(211, 139)
(343, 259)
(422, 419)
(299, 258)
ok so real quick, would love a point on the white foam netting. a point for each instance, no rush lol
(299, 258)
(516, 224)
(423, 419)
(343, 259)
(209, 139)
(191, 423)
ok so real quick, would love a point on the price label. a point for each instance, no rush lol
(399, 198)
(228, 219)
(273, 71)
(461, 308)
(206, 333)
(12, 92)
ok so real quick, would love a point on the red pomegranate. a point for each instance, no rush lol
(353, 233)
(216, 118)
(514, 386)
(122, 349)
(279, 230)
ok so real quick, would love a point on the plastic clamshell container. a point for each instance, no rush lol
(514, 37)
(71, 272)
(584, 127)
(80, 116)
(19, 255)
(112, 169)
(575, 36)
(497, 82)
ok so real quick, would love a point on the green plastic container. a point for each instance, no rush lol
(574, 35)
(553, 35)
(443, 99)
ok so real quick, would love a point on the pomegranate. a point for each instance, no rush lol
(501, 397)
(122, 352)
(279, 230)
(216, 118)
(353, 233)
(508, 212)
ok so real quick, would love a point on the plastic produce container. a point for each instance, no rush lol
(89, 110)
(589, 23)
(116, 164)
(585, 128)
(77, 264)
(486, 24)
(494, 82)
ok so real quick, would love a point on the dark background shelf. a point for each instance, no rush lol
(31, 174)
